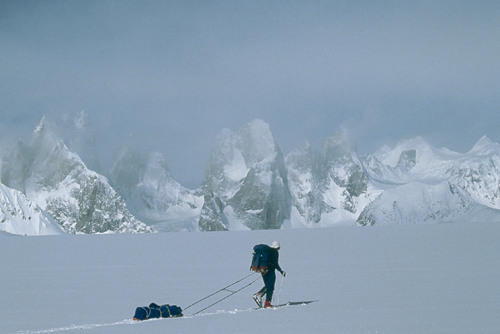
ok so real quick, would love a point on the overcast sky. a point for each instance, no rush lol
(169, 75)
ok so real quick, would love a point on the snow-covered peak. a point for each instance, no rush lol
(412, 160)
(391, 157)
(19, 215)
(484, 146)
(145, 182)
(44, 138)
(420, 203)
(42, 126)
(300, 153)
(57, 180)
(337, 139)
(247, 172)
(256, 141)
(337, 149)
(234, 154)
(147, 171)
(157, 169)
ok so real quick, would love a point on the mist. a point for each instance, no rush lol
(168, 76)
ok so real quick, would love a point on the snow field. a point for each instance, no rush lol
(388, 279)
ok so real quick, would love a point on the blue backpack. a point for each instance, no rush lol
(260, 259)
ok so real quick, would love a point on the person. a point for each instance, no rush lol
(269, 277)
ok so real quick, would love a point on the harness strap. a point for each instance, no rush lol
(148, 311)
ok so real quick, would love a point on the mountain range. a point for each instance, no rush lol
(248, 184)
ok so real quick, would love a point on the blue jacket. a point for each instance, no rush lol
(274, 260)
(270, 276)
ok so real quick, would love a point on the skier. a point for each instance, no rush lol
(269, 277)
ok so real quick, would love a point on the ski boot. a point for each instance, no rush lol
(268, 305)
(258, 299)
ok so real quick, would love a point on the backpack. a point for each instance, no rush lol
(260, 259)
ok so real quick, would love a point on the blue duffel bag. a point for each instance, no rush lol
(157, 311)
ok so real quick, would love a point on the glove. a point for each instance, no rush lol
(283, 273)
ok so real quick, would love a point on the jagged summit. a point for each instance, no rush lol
(336, 148)
(484, 146)
(246, 171)
(257, 141)
(42, 126)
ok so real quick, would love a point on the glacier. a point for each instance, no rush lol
(436, 279)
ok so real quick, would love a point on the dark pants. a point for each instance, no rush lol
(269, 280)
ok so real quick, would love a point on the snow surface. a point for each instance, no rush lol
(440, 278)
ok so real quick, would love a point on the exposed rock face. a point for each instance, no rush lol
(342, 172)
(304, 180)
(212, 216)
(478, 173)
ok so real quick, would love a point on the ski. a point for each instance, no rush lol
(289, 304)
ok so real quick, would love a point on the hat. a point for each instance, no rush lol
(275, 245)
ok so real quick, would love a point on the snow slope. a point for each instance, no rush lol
(420, 203)
(19, 215)
(439, 278)
(423, 184)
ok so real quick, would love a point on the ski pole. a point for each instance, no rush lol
(281, 285)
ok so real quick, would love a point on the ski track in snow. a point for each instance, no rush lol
(74, 327)
(132, 322)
